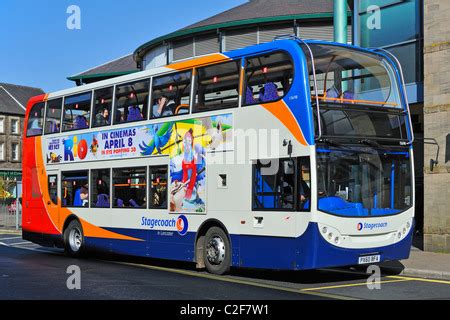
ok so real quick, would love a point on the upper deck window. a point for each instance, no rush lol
(53, 118)
(103, 100)
(217, 87)
(77, 111)
(36, 120)
(268, 78)
(351, 76)
(131, 102)
(171, 95)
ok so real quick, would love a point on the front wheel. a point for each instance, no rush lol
(217, 251)
(74, 239)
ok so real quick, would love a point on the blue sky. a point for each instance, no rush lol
(37, 49)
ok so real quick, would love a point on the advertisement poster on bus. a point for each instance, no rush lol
(186, 142)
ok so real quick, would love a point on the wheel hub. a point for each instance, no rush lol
(75, 239)
(215, 250)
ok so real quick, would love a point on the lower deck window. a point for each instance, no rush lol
(75, 189)
(282, 185)
(158, 188)
(129, 188)
(100, 183)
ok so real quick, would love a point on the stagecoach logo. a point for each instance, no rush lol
(371, 226)
(182, 225)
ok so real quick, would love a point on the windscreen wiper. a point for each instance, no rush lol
(369, 142)
(331, 142)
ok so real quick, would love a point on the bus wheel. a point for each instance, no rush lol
(74, 239)
(217, 251)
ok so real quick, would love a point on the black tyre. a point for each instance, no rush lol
(217, 251)
(74, 239)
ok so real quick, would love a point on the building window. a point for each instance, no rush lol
(15, 151)
(268, 78)
(77, 110)
(36, 120)
(53, 119)
(217, 87)
(131, 102)
(405, 18)
(158, 188)
(129, 188)
(103, 101)
(75, 189)
(2, 124)
(171, 95)
(15, 126)
(100, 184)
(2, 151)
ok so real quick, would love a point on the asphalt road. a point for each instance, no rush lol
(28, 271)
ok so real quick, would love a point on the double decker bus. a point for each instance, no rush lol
(287, 155)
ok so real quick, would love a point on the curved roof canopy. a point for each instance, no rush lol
(252, 12)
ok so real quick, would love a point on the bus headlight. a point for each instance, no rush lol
(324, 230)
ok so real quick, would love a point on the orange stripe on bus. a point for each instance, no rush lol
(281, 111)
(209, 59)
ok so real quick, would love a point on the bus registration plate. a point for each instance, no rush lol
(369, 259)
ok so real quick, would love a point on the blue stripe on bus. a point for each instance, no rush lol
(309, 251)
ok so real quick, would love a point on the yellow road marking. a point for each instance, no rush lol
(353, 285)
(237, 281)
(420, 279)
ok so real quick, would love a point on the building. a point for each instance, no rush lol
(437, 124)
(415, 31)
(13, 101)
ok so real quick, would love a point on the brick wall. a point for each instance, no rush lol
(437, 124)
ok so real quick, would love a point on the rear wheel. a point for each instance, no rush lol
(217, 251)
(74, 239)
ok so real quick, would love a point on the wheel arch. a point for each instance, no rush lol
(201, 232)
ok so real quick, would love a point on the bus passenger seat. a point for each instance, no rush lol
(134, 203)
(80, 123)
(77, 199)
(102, 201)
(120, 203)
(332, 92)
(349, 95)
(270, 92)
(249, 96)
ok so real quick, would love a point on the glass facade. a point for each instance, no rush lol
(395, 25)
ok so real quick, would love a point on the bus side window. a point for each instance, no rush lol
(131, 102)
(268, 78)
(158, 188)
(53, 118)
(171, 95)
(102, 107)
(217, 87)
(130, 188)
(100, 184)
(75, 189)
(36, 120)
(274, 185)
(77, 112)
(53, 188)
